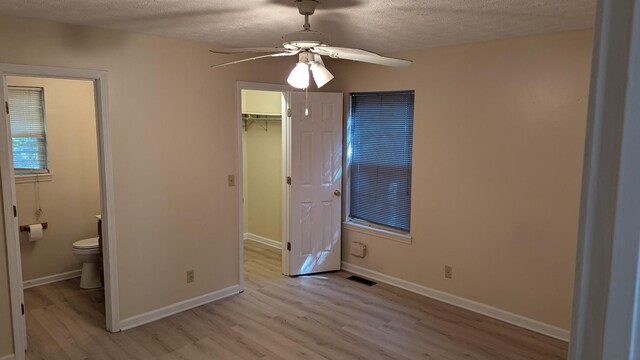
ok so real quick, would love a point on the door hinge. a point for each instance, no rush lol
(289, 246)
(15, 211)
(6, 106)
(288, 180)
(288, 112)
(22, 307)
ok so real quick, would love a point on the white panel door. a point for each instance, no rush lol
(316, 183)
(11, 223)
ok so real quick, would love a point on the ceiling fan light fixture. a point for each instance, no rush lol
(320, 74)
(299, 76)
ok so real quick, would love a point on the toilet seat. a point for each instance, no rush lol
(86, 244)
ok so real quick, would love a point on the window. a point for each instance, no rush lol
(26, 111)
(380, 152)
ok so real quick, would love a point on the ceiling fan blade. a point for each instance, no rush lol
(255, 58)
(359, 55)
(249, 50)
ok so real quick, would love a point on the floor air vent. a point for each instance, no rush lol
(361, 280)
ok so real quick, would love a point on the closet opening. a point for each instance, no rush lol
(263, 206)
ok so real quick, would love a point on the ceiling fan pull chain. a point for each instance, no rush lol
(306, 101)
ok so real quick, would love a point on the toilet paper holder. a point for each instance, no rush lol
(26, 227)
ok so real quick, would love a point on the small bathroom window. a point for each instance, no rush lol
(28, 131)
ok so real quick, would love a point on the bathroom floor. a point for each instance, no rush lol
(61, 313)
(323, 316)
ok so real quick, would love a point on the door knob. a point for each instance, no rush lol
(336, 193)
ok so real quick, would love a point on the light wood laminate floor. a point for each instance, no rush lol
(315, 317)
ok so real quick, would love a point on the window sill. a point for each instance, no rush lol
(31, 178)
(374, 231)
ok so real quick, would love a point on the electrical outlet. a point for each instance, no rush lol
(448, 272)
(231, 180)
(191, 276)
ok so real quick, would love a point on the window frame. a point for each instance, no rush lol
(357, 224)
(33, 175)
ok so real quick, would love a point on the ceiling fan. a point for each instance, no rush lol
(310, 46)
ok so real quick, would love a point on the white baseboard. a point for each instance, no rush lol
(51, 279)
(263, 240)
(8, 357)
(158, 314)
(471, 305)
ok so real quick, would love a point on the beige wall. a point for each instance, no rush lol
(498, 143)
(172, 146)
(261, 102)
(263, 166)
(71, 199)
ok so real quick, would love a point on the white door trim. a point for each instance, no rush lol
(606, 318)
(245, 85)
(103, 128)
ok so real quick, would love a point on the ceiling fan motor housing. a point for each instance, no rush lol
(306, 7)
(304, 39)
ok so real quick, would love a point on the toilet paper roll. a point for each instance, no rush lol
(35, 232)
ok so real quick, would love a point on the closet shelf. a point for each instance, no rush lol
(250, 119)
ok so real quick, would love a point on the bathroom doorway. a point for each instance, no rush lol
(55, 161)
(57, 196)
(263, 126)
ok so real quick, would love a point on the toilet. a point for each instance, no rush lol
(88, 251)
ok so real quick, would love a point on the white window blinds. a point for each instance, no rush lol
(26, 111)
(381, 143)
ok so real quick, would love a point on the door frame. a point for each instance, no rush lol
(103, 133)
(606, 297)
(285, 90)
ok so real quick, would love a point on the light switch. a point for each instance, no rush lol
(232, 180)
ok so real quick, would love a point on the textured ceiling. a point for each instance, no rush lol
(383, 26)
